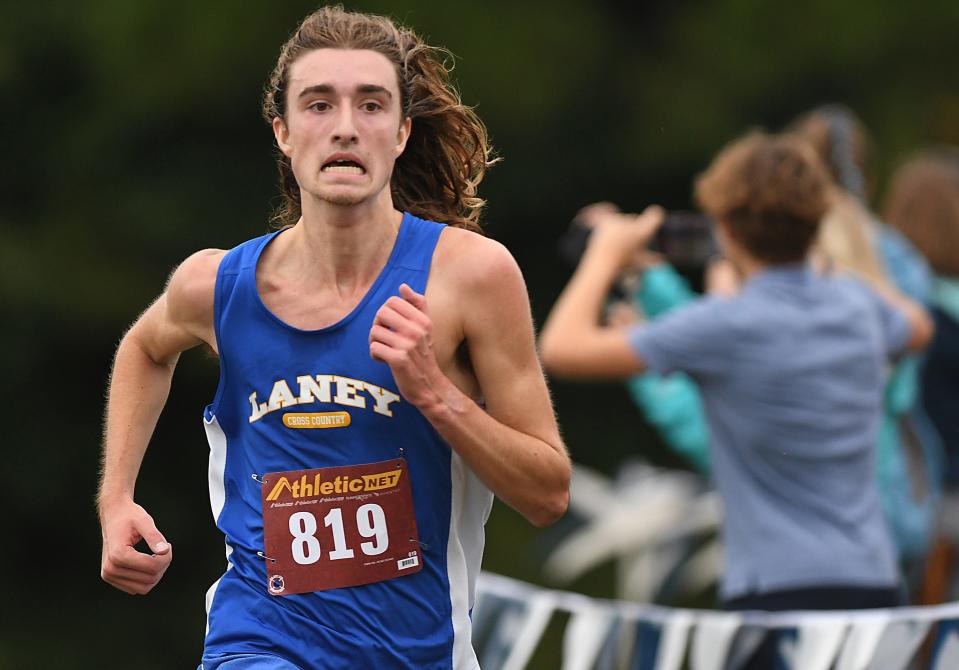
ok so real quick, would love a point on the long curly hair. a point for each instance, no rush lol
(448, 152)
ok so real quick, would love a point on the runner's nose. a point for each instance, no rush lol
(345, 129)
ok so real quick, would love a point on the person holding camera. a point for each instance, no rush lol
(790, 368)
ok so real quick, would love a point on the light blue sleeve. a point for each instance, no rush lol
(895, 327)
(696, 338)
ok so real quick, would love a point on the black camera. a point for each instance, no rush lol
(685, 239)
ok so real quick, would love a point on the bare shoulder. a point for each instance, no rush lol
(190, 290)
(182, 317)
(473, 263)
(479, 284)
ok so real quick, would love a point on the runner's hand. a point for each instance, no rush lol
(402, 337)
(124, 524)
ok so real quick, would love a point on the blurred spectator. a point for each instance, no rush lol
(850, 229)
(851, 238)
(923, 203)
(790, 371)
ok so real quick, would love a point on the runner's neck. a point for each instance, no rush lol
(339, 247)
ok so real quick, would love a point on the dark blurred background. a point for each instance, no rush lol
(131, 137)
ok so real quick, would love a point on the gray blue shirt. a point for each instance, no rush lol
(792, 373)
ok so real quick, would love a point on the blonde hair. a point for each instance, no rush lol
(448, 152)
(848, 238)
(847, 234)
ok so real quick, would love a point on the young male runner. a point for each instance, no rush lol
(351, 467)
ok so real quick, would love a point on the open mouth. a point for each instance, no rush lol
(343, 166)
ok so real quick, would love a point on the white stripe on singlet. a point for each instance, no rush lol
(217, 439)
(471, 502)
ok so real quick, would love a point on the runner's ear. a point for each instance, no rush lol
(282, 135)
(403, 135)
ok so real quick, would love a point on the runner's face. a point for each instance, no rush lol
(343, 129)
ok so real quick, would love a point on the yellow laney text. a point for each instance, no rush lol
(324, 389)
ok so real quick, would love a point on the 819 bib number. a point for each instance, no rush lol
(370, 523)
(369, 527)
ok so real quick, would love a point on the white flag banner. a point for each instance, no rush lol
(898, 644)
(712, 638)
(587, 631)
(511, 616)
(539, 611)
(505, 619)
(818, 641)
(947, 656)
(863, 638)
(672, 644)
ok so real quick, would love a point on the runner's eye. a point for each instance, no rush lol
(371, 106)
(319, 106)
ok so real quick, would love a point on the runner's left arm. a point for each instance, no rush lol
(513, 445)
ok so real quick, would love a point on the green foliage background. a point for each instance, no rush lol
(131, 137)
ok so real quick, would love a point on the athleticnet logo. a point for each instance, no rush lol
(309, 487)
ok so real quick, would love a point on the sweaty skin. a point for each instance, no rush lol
(470, 337)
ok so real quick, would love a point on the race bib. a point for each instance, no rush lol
(340, 526)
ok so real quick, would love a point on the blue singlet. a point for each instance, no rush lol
(415, 621)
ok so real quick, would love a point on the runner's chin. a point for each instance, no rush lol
(343, 195)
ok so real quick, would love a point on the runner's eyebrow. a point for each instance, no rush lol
(373, 88)
(318, 88)
(362, 88)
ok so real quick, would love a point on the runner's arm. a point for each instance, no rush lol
(513, 445)
(181, 318)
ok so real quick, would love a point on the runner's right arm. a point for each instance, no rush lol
(181, 318)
